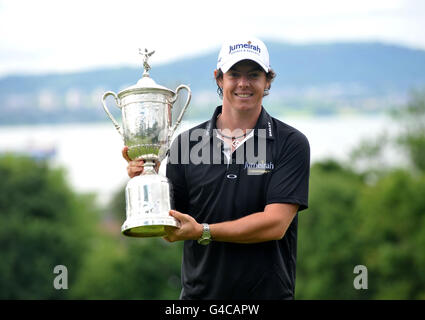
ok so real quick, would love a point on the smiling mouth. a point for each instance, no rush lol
(243, 95)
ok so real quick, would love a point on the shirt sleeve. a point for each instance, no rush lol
(175, 173)
(290, 178)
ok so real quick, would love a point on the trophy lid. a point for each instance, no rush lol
(146, 84)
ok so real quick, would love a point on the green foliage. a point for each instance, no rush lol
(412, 138)
(134, 268)
(351, 222)
(375, 218)
(129, 268)
(328, 248)
(42, 224)
(116, 206)
(391, 228)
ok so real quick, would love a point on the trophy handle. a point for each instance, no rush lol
(180, 117)
(105, 95)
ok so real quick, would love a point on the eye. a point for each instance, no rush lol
(254, 75)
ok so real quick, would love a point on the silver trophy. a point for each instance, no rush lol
(147, 131)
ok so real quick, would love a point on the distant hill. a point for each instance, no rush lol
(313, 78)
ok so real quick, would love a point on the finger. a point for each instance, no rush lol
(170, 235)
(157, 164)
(136, 169)
(176, 214)
(173, 213)
(125, 154)
(136, 163)
(171, 231)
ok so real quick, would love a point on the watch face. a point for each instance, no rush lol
(206, 235)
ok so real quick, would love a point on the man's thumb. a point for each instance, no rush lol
(176, 214)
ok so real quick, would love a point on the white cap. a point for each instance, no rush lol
(237, 50)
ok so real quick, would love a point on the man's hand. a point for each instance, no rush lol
(189, 229)
(135, 167)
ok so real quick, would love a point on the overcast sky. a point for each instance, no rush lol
(73, 35)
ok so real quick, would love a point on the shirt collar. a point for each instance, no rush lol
(264, 122)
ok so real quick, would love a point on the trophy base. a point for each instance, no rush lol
(143, 228)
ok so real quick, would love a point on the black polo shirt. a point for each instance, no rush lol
(270, 167)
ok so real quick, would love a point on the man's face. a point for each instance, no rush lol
(243, 86)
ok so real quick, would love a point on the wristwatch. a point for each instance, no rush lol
(206, 235)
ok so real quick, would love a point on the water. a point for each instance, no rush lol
(91, 153)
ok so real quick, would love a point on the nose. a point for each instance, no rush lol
(243, 81)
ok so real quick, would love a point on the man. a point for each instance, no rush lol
(238, 195)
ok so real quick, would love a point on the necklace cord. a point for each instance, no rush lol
(228, 137)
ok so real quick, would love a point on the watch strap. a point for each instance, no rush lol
(206, 235)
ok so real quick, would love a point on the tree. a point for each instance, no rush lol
(407, 143)
(391, 230)
(119, 267)
(328, 247)
(133, 268)
(43, 223)
(412, 137)
(371, 215)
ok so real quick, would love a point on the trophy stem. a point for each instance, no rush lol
(149, 167)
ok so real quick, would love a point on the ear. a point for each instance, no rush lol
(268, 84)
(218, 81)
